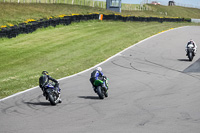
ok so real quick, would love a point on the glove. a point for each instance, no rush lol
(57, 84)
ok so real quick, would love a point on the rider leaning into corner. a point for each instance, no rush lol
(44, 80)
(193, 43)
(97, 74)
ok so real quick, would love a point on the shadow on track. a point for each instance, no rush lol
(39, 103)
(89, 97)
(183, 60)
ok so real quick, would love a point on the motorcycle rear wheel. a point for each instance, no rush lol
(51, 99)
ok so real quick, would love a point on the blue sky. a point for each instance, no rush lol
(194, 3)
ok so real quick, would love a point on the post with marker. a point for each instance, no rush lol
(100, 16)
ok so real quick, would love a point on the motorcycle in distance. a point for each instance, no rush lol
(100, 89)
(190, 52)
(52, 93)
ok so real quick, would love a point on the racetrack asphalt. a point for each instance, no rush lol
(152, 89)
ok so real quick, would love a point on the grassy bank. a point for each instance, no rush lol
(66, 50)
(166, 11)
(14, 13)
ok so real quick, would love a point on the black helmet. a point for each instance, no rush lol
(45, 73)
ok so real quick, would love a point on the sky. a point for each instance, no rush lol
(190, 3)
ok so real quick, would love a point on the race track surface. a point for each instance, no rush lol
(153, 89)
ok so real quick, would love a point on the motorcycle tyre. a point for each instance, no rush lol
(100, 93)
(190, 56)
(51, 99)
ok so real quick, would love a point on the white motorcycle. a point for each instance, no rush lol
(190, 52)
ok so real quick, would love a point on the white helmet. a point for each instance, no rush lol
(99, 69)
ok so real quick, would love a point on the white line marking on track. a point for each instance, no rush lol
(95, 65)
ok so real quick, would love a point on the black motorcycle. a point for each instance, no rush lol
(190, 52)
(100, 88)
(52, 93)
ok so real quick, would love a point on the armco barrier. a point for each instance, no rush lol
(25, 28)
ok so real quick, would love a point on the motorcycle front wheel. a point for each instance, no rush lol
(100, 93)
(190, 56)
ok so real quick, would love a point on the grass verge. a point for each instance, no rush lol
(14, 13)
(66, 50)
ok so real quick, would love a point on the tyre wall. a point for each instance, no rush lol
(25, 28)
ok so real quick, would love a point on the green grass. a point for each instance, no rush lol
(14, 13)
(66, 50)
(167, 11)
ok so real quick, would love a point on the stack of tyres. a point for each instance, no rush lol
(105, 17)
(108, 17)
(34, 26)
(117, 17)
(84, 17)
(40, 23)
(13, 31)
(124, 18)
(3, 32)
(89, 17)
(131, 18)
(75, 18)
(21, 28)
(50, 22)
(46, 23)
(96, 16)
(54, 22)
(67, 20)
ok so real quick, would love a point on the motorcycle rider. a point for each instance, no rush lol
(44, 80)
(97, 74)
(193, 43)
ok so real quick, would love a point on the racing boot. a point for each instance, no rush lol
(104, 86)
(59, 99)
(95, 89)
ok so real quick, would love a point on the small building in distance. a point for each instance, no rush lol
(113, 5)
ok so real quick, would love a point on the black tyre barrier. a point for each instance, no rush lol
(25, 28)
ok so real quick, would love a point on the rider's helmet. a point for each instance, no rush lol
(191, 41)
(45, 73)
(99, 69)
